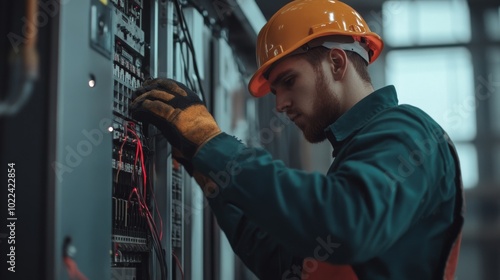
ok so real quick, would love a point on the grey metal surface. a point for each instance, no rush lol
(161, 61)
(83, 146)
(123, 273)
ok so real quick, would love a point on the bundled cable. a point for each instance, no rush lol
(141, 196)
(189, 42)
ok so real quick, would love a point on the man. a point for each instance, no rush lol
(390, 206)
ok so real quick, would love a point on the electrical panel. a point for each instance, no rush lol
(148, 233)
(177, 220)
(132, 225)
(148, 218)
(176, 43)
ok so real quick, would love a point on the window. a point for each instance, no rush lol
(468, 163)
(490, 88)
(492, 23)
(440, 82)
(413, 23)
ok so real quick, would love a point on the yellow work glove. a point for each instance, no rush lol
(178, 113)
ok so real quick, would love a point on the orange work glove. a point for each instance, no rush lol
(177, 112)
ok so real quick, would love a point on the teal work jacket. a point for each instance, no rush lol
(389, 206)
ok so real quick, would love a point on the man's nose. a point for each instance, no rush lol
(282, 101)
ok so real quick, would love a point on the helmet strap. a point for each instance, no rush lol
(353, 47)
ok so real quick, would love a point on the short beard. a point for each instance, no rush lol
(327, 110)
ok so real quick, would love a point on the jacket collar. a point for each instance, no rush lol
(360, 114)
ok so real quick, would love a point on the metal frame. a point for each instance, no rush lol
(81, 170)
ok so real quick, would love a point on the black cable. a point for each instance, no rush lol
(213, 23)
(152, 227)
(186, 65)
(157, 246)
(189, 42)
(155, 240)
(239, 63)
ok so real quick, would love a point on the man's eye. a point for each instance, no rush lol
(289, 82)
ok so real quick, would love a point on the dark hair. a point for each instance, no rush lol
(316, 55)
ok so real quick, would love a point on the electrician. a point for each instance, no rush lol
(390, 206)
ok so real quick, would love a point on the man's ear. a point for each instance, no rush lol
(338, 63)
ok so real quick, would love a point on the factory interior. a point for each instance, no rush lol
(99, 195)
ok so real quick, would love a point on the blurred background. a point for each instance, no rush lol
(67, 72)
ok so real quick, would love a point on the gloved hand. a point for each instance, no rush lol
(178, 113)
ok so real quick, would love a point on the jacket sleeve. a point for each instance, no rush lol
(352, 214)
(259, 251)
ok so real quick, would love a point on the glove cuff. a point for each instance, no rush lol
(206, 141)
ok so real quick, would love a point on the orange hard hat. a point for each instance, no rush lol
(302, 21)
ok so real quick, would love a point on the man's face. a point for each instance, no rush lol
(306, 95)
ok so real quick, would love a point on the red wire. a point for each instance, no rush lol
(120, 158)
(136, 158)
(72, 268)
(158, 212)
(145, 208)
(141, 203)
(144, 174)
(139, 143)
(152, 192)
(147, 213)
(178, 264)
